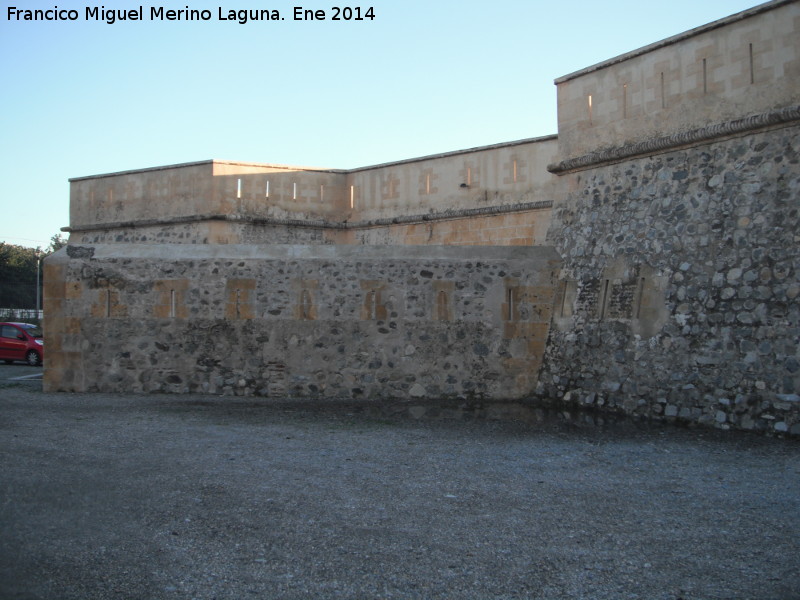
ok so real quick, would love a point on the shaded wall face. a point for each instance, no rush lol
(523, 228)
(207, 232)
(298, 321)
(680, 295)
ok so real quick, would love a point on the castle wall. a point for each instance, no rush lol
(495, 195)
(746, 64)
(204, 202)
(680, 291)
(299, 321)
(525, 227)
(494, 176)
(672, 201)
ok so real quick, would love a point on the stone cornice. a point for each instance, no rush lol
(671, 142)
(316, 223)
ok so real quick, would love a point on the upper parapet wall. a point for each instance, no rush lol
(745, 64)
(504, 174)
(202, 190)
(209, 201)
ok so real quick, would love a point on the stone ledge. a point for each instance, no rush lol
(666, 143)
(318, 224)
(545, 256)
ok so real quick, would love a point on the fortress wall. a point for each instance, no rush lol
(175, 191)
(220, 230)
(279, 192)
(493, 176)
(673, 206)
(177, 203)
(516, 228)
(680, 297)
(495, 195)
(745, 64)
(299, 321)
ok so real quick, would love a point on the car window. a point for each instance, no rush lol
(9, 331)
(34, 331)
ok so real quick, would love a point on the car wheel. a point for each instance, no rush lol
(33, 358)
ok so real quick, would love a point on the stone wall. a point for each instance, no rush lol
(201, 191)
(745, 64)
(448, 198)
(680, 291)
(670, 194)
(299, 321)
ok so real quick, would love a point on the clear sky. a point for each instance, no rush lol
(84, 97)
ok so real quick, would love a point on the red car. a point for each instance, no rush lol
(21, 341)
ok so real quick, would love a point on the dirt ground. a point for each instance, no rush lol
(149, 497)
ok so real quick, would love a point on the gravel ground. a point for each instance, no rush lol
(109, 496)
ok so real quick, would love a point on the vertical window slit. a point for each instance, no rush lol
(352, 196)
(266, 191)
(624, 100)
(510, 303)
(515, 171)
(294, 191)
(428, 184)
(172, 303)
(663, 92)
(705, 77)
(589, 99)
(752, 70)
(108, 303)
(469, 175)
(322, 193)
(238, 302)
(238, 188)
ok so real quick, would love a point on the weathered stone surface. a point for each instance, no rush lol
(675, 214)
(304, 321)
(720, 335)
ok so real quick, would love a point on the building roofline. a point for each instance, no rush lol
(521, 142)
(212, 161)
(745, 14)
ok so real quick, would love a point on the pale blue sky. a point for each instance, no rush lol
(83, 98)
